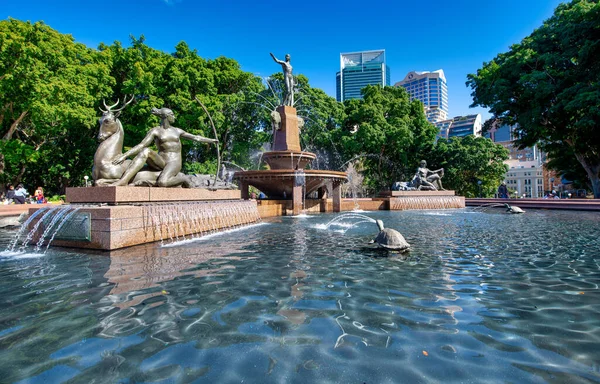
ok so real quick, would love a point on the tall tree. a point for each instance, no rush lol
(158, 79)
(472, 165)
(389, 132)
(49, 90)
(550, 84)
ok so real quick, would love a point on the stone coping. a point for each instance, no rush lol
(289, 153)
(279, 173)
(416, 193)
(119, 195)
(568, 204)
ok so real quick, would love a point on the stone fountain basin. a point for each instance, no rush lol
(275, 182)
(288, 159)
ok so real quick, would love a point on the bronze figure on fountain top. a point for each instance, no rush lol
(286, 66)
(164, 165)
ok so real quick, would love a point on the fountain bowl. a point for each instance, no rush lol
(288, 159)
(276, 183)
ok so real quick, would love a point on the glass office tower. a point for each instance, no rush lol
(431, 89)
(359, 69)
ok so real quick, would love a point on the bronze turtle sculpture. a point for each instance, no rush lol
(390, 239)
(513, 209)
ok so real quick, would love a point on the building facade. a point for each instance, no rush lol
(460, 126)
(526, 178)
(526, 175)
(359, 69)
(431, 89)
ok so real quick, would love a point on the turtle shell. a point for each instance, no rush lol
(391, 239)
(514, 209)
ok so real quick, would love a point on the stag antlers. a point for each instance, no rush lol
(110, 109)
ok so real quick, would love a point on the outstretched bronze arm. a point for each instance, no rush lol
(198, 138)
(274, 58)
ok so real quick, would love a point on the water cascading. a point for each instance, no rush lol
(186, 221)
(300, 181)
(348, 220)
(49, 223)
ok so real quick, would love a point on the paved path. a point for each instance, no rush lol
(17, 209)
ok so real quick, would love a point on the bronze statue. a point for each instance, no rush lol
(167, 162)
(288, 98)
(105, 172)
(428, 178)
(424, 180)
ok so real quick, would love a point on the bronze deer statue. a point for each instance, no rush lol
(110, 136)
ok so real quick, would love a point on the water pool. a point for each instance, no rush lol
(481, 297)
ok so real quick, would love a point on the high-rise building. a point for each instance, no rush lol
(465, 125)
(359, 69)
(431, 89)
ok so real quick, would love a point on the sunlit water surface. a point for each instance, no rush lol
(481, 297)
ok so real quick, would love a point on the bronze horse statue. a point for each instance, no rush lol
(110, 136)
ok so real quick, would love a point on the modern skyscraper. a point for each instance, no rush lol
(431, 89)
(465, 125)
(359, 69)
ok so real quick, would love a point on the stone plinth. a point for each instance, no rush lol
(287, 137)
(124, 195)
(416, 193)
(403, 200)
(113, 227)
(568, 204)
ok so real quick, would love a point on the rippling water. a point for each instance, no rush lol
(481, 297)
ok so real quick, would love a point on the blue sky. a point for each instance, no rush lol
(454, 35)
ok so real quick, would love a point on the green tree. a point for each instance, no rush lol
(49, 88)
(158, 79)
(322, 128)
(468, 160)
(391, 134)
(550, 85)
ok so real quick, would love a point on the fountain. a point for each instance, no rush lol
(480, 295)
(288, 177)
(136, 201)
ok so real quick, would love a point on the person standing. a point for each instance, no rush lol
(20, 194)
(503, 191)
(39, 196)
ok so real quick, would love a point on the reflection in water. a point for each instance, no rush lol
(481, 297)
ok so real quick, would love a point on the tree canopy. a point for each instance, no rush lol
(391, 134)
(550, 85)
(51, 88)
(473, 166)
